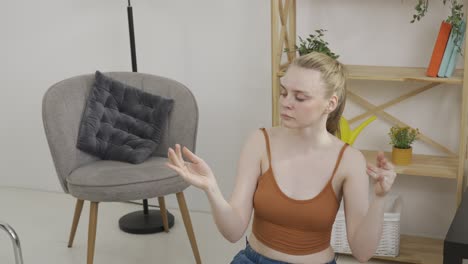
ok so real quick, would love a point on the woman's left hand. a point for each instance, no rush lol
(384, 174)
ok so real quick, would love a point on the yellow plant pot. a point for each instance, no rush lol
(402, 156)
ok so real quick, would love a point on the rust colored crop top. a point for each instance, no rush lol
(295, 227)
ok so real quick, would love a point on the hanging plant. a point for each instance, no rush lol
(455, 18)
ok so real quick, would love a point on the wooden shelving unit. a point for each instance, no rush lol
(420, 250)
(413, 249)
(423, 165)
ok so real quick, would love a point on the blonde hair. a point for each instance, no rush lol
(333, 75)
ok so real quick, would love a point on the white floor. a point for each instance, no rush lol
(43, 219)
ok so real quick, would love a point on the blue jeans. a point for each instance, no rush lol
(250, 256)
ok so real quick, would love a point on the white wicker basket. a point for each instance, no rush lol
(390, 240)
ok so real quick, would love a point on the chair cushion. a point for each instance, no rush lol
(107, 180)
(121, 122)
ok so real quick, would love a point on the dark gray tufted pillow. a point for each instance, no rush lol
(121, 122)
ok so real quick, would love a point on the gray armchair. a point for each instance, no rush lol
(90, 179)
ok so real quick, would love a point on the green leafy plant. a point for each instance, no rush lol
(403, 137)
(314, 42)
(421, 10)
(455, 18)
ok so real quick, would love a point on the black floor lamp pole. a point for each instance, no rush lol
(146, 221)
(132, 37)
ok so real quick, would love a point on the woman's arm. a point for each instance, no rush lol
(363, 221)
(232, 218)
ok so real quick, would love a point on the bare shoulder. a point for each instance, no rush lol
(255, 137)
(252, 154)
(353, 154)
(273, 131)
(255, 143)
(353, 161)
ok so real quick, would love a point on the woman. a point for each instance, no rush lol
(293, 177)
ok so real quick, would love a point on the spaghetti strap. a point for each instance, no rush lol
(267, 140)
(338, 160)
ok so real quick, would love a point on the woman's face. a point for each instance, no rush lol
(302, 98)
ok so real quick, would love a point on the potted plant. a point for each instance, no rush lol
(314, 42)
(401, 139)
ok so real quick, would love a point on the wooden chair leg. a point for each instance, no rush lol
(162, 207)
(93, 213)
(188, 225)
(76, 219)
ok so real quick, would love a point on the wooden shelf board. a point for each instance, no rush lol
(414, 249)
(386, 73)
(389, 73)
(422, 165)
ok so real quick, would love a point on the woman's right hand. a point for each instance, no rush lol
(196, 172)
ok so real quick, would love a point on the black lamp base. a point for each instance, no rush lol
(141, 223)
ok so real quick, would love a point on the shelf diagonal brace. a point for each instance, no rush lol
(395, 120)
(393, 102)
(284, 17)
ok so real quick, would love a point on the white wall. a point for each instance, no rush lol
(221, 50)
(203, 44)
